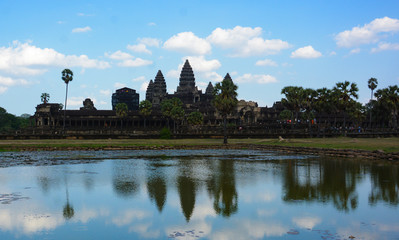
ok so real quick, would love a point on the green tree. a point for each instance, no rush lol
(173, 109)
(308, 105)
(225, 100)
(372, 84)
(345, 92)
(285, 115)
(145, 109)
(45, 97)
(293, 100)
(389, 98)
(67, 76)
(195, 118)
(121, 111)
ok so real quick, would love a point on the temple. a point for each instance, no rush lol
(248, 119)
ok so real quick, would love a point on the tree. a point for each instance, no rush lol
(285, 115)
(121, 111)
(308, 105)
(345, 92)
(225, 100)
(195, 118)
(67, 76)
(389, 98)
(372, 84)
(45, 97)
(145, 109)
(293, 100)
(173, 108)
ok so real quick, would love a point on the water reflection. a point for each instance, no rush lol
(216, 195)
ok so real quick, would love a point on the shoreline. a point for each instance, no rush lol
(163, 145)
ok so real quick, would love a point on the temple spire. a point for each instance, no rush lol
(187, 79)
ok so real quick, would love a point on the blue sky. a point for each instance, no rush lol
(264, 45)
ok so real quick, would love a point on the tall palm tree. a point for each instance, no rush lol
(225, 100)
(67, 76)
(372, 84)
(293, 100)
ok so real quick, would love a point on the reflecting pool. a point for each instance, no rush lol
(195, 194)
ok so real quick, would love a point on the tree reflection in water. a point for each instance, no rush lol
(156, 185)
(123, 180)
(385, 184)
(187, 190)
(223, 189)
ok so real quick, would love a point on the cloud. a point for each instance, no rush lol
(188, 43)
(140, 48)
(261, 78)
(119, 85)
(139, 79)
(306, 52)
(119, 55)
(151, 42)
(144, 86)
(246, 41)
(138, 62)
(128, 216)
(3, 89)
(7, 81)
(105, 92)
(26, 59)
(81, 30)
(369, 33)
(383, 46)
(306, 222)
(266, 62)
(355, 51)
(152, 24)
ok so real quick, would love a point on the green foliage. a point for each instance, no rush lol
(45, 97)
(388, 100)
(121, 109)
(225, 96)
(195, 118)
(145, 107)
(372, 84)
(173, 108)
(67, 75)
(9, 122)
(165, 133)
(285, 115)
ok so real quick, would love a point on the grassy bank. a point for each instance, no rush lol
(388, 145)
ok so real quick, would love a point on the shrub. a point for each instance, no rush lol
(165, 133)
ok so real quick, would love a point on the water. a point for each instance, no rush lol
(195, 194)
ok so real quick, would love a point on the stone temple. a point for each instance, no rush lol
(247, 118)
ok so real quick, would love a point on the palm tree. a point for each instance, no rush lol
(121, 111)
(389, 97)
(345, 91)
(293, 100)
(145, 109)
(225, 100)
(67, 76)
(45, 97)
(372, 84)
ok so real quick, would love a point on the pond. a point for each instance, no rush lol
(195, 194)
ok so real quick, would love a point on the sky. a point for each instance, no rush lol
(264, 45)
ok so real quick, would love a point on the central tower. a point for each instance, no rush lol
(187, 80)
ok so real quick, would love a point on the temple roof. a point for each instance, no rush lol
(187, 79)
(209, 89)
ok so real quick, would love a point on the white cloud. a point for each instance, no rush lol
(26, 59)
(266, 62)
(105, 92)
(144, 86)
(138, 62)
(81, 30)
(119, 85)
(187, 42)
(261, 78)
(7, 81)
(246, 41)
(383, 46)
(355, 51)
(306, 222)
(306, 52)
(139, 79)
(75, 101)
(128, 216)
(151, 42)
(369, 33)
(140, 48)
(152, 24)
(119, 55)
(3, 89)
(202, 68)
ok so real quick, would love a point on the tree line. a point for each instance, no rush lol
(307, 105)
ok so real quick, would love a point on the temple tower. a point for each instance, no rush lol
(187, 79)
(156, 91)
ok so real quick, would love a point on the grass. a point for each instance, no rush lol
(371, 144)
